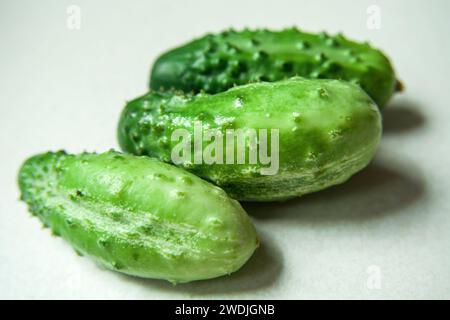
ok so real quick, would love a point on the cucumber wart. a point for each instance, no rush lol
(328, 130)
(217, 62)
(138, 215)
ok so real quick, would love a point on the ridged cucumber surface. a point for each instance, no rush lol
(327, 130)
(216, 62)
(137, 215)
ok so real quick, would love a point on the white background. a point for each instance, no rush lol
(62, 88)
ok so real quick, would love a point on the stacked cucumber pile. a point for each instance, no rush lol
(140, 214)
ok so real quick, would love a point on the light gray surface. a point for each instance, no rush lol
(62, 88)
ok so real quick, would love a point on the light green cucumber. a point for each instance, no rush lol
(327, 130)
(138, 215)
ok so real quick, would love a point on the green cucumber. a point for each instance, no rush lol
(216, 62)
(138, 215)
(327, 131)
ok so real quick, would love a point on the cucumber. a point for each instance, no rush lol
(137, 215)
(216, 62)
(327, 130)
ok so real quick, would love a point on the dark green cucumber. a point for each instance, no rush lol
(138, 215)
(328, 130)
(216, 62)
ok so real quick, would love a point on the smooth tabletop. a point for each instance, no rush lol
(383, 234)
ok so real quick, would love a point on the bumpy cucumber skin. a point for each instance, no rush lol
(216, 62)
(138, 215)
(328, 130)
